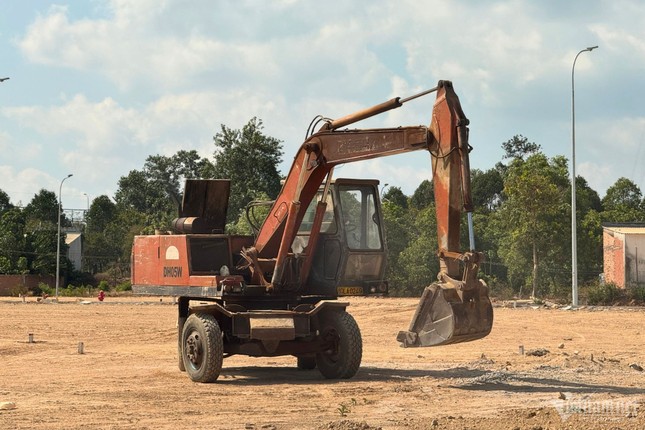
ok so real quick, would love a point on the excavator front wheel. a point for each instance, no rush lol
(344, 345)
(202, 347)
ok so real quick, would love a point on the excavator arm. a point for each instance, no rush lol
(454, 309)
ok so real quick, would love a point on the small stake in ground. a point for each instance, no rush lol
(81, 348)
(31, 338)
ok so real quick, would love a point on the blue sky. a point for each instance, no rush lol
(97, 86)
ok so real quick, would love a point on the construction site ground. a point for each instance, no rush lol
(581, 369)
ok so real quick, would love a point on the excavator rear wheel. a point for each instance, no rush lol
(342, 357)
(202, 347)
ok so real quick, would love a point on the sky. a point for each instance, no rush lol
(97, 86)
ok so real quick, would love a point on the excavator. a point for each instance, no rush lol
(277, 292)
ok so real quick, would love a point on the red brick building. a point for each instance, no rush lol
(624, 253)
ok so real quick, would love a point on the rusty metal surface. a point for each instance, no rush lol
(447, 315)
(163, 261)
(206, 199)
(447, 173)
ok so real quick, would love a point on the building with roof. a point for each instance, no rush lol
(75, 251)
(624, 253)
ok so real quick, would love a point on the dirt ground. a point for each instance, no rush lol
(128, 378)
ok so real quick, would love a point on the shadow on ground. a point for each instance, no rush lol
(462, 378)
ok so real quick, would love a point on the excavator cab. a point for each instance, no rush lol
(350, 256)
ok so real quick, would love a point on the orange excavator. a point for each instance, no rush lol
(277, 292)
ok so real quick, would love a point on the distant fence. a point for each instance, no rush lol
(11, 284)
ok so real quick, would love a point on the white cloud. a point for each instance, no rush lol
(99, 126)
(132, 48)
(624, 135)
(598, 176)
(4, 142)
(22, 185)
(180, 70)
(617, 148)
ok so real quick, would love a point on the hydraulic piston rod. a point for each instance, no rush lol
(374, 110)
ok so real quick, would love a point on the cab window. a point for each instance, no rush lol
(359, 217)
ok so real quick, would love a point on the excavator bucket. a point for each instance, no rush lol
(445, 315)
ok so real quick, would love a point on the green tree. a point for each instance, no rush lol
(43, 208)
(42, 246)
(138, 193)
(519, 147)
(590, 252)
(119, 233)
(486, 189)
(623, 202)
(586, 198)
(250, 159)
(423, 196)
(398, 228)
(98, 251)
(5, 204)
(12, 240)
(418, 265)
(533, 218)
(257, 214)
(41, 228)
(589, 230)
(101, 213)
(396, 196)
(168, 173)
(155, 190)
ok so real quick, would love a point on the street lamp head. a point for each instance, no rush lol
(70, 175)
(591, 48)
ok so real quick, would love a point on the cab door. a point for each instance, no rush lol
(350, 255)
(362, 237)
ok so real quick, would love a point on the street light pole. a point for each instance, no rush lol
(60, 189)
(88, 201)
(574, 240)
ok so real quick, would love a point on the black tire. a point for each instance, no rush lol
(343, 357)
(180, 361)
(306, 362)
(202, 347)
(180, 357)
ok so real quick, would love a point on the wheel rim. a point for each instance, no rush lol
(195, 350)
(332, 338)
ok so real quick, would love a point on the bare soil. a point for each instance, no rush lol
(584, 374)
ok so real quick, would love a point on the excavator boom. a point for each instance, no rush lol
(454, 309)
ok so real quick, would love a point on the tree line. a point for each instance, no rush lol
(522, 223)
(522, 216)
